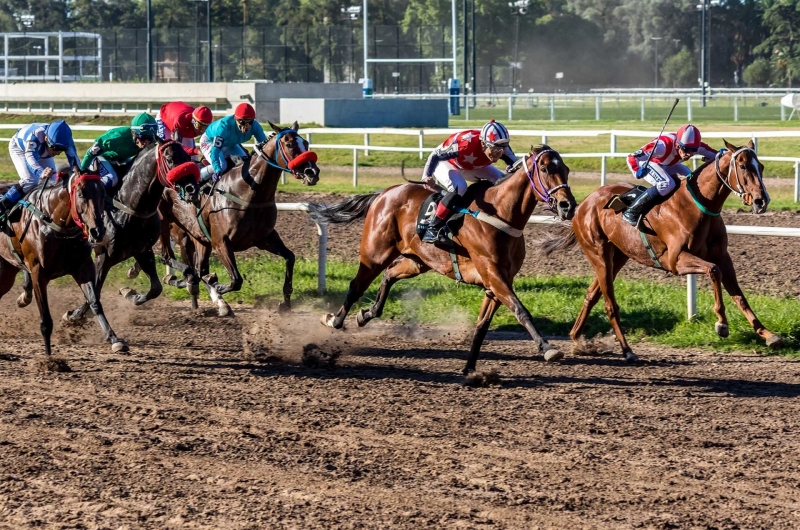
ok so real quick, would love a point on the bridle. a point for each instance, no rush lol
(537, 184)
(733, 167)
(73, 210)
(280, 152)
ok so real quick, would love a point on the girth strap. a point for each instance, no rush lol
(202, 224)
(14, 253)
(451, 248)
(649, 248)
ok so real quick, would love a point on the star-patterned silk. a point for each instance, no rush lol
(470, 153)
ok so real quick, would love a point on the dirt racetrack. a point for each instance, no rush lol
(217, 423)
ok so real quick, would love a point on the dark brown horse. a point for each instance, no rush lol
(53, 237)
(487, 255)
(238, 214)
(686, 233)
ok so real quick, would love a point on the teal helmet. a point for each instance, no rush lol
(144, 125)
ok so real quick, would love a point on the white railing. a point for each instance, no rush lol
(691, 279)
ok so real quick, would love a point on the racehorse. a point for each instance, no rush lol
(238, 212)
(488, 254)
(686, 235)
(132, 226)
(53, 237)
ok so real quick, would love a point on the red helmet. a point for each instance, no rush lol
(689, 137)
(203, 115)
(244, 111)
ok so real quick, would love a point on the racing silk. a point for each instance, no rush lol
(30, 139)
(177, 116)
(665, 152)
(225, 133)
(464, 151)
(116, 145)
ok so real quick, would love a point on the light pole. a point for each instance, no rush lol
(705, 44)
(655, 64)
(350, 14)
(518, 8)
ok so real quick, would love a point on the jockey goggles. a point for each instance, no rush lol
(690, 150)
(197, 123)
(244, 121)
(55, 146)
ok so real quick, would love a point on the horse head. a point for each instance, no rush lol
(549, 175)
(177, 171)
(87, 197)
(744, 176)
(290, 151)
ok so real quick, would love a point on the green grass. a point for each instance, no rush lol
(651, 312)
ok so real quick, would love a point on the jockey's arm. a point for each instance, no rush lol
(707, 152)
(508, 156)
(258, 132)
(635, 160)
(32, 158)
(439, 154)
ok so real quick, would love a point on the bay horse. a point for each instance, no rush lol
(686, 233)
(486, 255)
(237, 213)
(53, 237)
(131, 221)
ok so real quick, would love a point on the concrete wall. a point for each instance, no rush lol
(366, 112)
(269, 95)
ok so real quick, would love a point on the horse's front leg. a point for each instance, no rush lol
(228, 260)
(91, 286)
(24, 299)
(690, 264)
(274, 244)
(147, 263)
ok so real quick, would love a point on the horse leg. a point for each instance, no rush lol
(101, 271)
(368, 270)
(228, 260)
(46, 320)
(689, 264)
(489, 307)
(728, 273)
(134, 271)
(593, 295)
(499, 284)
(24, 299)
(91, 287)
(602, 259)
(401, 269)
(202, 266)
(146, 262)
(274, 244)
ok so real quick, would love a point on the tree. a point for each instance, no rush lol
(782, 44)
(679, 70)
(758, 73)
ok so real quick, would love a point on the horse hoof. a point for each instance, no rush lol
(285, 308)
(361, 318)
(119, 347)
(631, 357)
(132, 273)
(127, 292)
(66, 318)
(775, 341)
(224, 310)
(169, 279)
(327, 320)
(722, 330)
(24, 300)
(553, 355)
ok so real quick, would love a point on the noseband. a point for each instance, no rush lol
(541, 191)
(733, 167)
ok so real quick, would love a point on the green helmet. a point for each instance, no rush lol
(144, 125)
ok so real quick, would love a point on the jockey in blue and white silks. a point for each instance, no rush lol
(224, 136)
(32, 150)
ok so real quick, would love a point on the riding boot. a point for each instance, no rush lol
(434, 232)
(640, 206)
(9, 200)
(437, 231)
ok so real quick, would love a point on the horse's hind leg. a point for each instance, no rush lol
(402, 268)
(24, 299)
(731, 285)
(368, 270)
(228, 259)
(274, 244)
(489, 307)
(593, 295)
(147, 263)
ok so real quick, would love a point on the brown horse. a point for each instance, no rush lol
(238, 214)
(487, 255)
(53, 237)
(686, 233)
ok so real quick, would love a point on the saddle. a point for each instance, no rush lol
(620, 202)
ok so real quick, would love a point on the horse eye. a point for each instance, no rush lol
(744, 168)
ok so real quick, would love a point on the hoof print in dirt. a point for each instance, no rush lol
(483, 379)
(47, 363)
(8, 357)
(315, 357)
(598, 346)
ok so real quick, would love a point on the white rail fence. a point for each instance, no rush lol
(691, 279)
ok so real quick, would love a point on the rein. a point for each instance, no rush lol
(733, 170)
(544, 195)
(278, 151)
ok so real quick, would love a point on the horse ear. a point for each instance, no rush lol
(750, 144)
(274, 127)
(295, 126)
(730, 146)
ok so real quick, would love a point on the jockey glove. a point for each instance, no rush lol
(721, 152)
(641, 172)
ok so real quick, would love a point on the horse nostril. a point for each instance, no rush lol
(564, 205)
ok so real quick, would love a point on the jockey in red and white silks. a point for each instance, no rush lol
(466, 156)
(669, 152)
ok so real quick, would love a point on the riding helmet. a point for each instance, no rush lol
(202, 115)
(495, 134)
(244, 111)
(59, 135)
(143, 125)
(689, 136)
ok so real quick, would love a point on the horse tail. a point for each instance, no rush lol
(345, 212)
(560, 237)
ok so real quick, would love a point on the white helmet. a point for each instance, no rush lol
(495, 134)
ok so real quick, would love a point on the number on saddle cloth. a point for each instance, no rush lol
(427, 212)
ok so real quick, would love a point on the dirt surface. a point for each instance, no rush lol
(218, 423)
(761, 263)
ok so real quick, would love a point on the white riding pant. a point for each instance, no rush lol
(206, 144)
(663, 177)
(453, 179)
(27, 178)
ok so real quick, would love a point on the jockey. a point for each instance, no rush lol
(118, 146)
(465, 156)
(669, 153)
(32, 150)
(181, 122)
(223, 136)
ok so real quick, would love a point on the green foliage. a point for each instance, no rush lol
(679, 70)
(758, 73)
(781, 19)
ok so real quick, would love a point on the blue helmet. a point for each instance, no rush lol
(59, 135)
